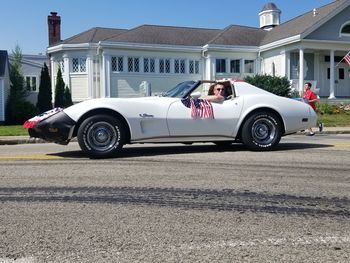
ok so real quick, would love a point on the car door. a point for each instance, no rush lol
(226, 116)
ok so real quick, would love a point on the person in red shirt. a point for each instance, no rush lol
(311, 98)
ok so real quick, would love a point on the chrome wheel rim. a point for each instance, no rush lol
(102, 136)
(264, 131)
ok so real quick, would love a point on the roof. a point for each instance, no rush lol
(301, 23)
(269, 7)
(234, 35)
(93, 35)
(239, 36)
(167, 35)
(3, 62)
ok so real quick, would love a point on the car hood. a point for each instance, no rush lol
(125, 106)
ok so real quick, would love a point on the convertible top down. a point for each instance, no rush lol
(249, 115)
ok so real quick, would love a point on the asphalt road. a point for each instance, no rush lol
(177, 203)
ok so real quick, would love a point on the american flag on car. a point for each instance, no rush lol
(200, 109)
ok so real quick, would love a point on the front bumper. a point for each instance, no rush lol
(57, 128)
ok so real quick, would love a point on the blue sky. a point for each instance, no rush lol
(24, 22)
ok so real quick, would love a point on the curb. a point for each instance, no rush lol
(13, 140)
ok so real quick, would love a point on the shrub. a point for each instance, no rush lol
(277, 85)
(20, 112)
(331, 108)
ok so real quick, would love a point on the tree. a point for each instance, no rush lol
(45, 93)
(67, 97)
(59, 90)
(18, 109)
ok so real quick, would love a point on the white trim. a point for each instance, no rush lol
(282, 42)
(332, 76)
(341, 27)
(71, 47)
(247, 49)
(301, 71)
(330, 42)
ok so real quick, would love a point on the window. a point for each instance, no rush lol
(191, 67)
(117, 64)
(161, 65)
(235, 66)
(336, 58)
(167, 65)
(341, 73)
(133, 64)
(79, 65)
(182, 66)
(177, 66)
(249, 66)
(30, 83)
(164, 65)
(148, 65)
(196, 67)
(345, 29)
(220, 65)
(75, 65)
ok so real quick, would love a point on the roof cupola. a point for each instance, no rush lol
(269, 16)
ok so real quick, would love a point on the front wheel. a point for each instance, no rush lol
(261, 131)
(101, 136)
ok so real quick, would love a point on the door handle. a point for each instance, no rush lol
(145, 115)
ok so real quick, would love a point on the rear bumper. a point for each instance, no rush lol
(58, 128)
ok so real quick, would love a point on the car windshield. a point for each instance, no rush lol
(180, 90)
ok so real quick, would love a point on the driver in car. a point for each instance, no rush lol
(216, 93)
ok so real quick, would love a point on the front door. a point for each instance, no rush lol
(341, 80)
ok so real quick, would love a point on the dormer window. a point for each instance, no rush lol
(345, 30)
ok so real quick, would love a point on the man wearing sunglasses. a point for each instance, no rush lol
(216, 93)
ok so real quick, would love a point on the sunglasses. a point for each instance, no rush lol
(220, 89)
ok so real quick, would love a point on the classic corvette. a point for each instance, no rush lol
(248, 115)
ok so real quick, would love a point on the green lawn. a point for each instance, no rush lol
(334, 120)
(12, 130)
(329, 120)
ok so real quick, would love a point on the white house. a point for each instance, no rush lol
(106, 62)
(31, 66)
(4, 83)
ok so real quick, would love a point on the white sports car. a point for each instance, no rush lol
(249, 115)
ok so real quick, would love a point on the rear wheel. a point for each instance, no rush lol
(261, 131)
(101, 136)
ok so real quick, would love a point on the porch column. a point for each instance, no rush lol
(53, 77)
(331, 81)
(90, 74)
(301, 71)
(105, 76)
(66, 73)
(284, 66)
(209, 68)
(287, 65)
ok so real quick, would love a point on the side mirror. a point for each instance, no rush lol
(195, 95)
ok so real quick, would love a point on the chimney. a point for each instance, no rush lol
(54, 23)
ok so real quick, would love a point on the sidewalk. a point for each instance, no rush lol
(11, 140)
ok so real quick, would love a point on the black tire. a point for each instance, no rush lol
(101, 136)
(261, 131)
